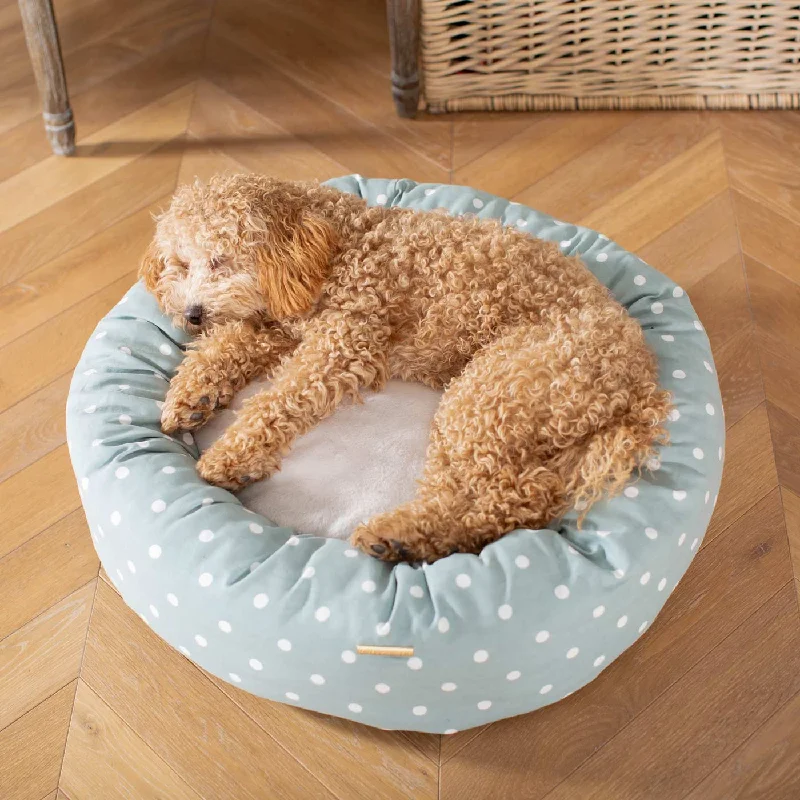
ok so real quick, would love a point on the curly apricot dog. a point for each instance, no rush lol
(551, 397)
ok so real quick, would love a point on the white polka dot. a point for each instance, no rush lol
(662, 584)
(521, 223)
(698, 454)
(158, 506)
(382, 688)
(561, 591)
(100, 532)
(234, 677)
(260, 600)
(120, 575)
(97, 442)
(143, 445)
(642, 626)
(206, 579)
(414, 663)
(84, 484)
(285, 645)
(603, 534)
(101, 334)
(124, 419)
(429, 192)
(90, 372)
(350, 553)
(485, 705)
(316, 679)
(548, 687)
(308, 572)
(416, 591)
(505, 611)
(368, 587)
(224, 626)
(653, 464)
(348, 656)
(131, 567)
(523, 562)
(206, 536)
(201, 640)
(477, 202)
(708, 496)
(601, 257)
(122, 472)
(622, 621)
(681, 539)
(255, 528)
(698, 324)
(573, 652)
(710, 410)
(154, 611)
(383, 628)
(631, 492)
(154, 551)
(451, 730)
(679, 374)
(542, 636)
(419, 711)
(293, 696)
(599, 660)
(293, 541)
(645, 579)
(677, 292)
(125, 350)
(565, 243)
(449, 687)
(657, 308)
(694, 544)
(443, 625)
(185, 651)
(719, 453)
(674, 415)
(667, 337)
(598, 611)
(165, 349)
(355, 708)
(188, 438)
(651, 533)
(207, 501)
(513, 675)
(619, 574)
(708, 366)
(172, 600)
(480, 656)
(679, 495)
(640, 280)
(463, 581)
(256, 664)
(322, 614)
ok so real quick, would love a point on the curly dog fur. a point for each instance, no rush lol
(551, 397)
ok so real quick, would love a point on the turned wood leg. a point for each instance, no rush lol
(404, 45)
(41, 35)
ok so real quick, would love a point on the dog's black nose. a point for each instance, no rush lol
(193, 314)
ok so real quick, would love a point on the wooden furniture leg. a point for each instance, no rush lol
(41, 35)
(403, 18)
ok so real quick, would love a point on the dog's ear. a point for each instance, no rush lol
(151, 267)
(294, 264)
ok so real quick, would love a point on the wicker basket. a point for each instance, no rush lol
(590, 54)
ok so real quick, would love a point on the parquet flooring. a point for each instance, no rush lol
(93, 706)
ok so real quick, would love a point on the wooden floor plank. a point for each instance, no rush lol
(43, 656)
(728, 581)
(45, 569)
(785, 430)
(36, 498)
(105, 759)
(739, 371)
(165, 700)
(31, 748)
(780, 369)
(732, 692)
(791, 508)
(765, 767)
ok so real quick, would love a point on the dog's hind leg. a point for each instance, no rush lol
(536, 422)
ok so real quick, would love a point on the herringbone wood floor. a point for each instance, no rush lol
(92, 705)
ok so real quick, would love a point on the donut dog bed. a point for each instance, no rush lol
(278, 605)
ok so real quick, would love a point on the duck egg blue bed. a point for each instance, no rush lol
(533, 618)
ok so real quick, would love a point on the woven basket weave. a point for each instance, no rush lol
(590, 54)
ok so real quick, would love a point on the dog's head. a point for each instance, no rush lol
(239, 247)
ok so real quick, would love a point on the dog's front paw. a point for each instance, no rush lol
(191, 402)
(232, 467)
